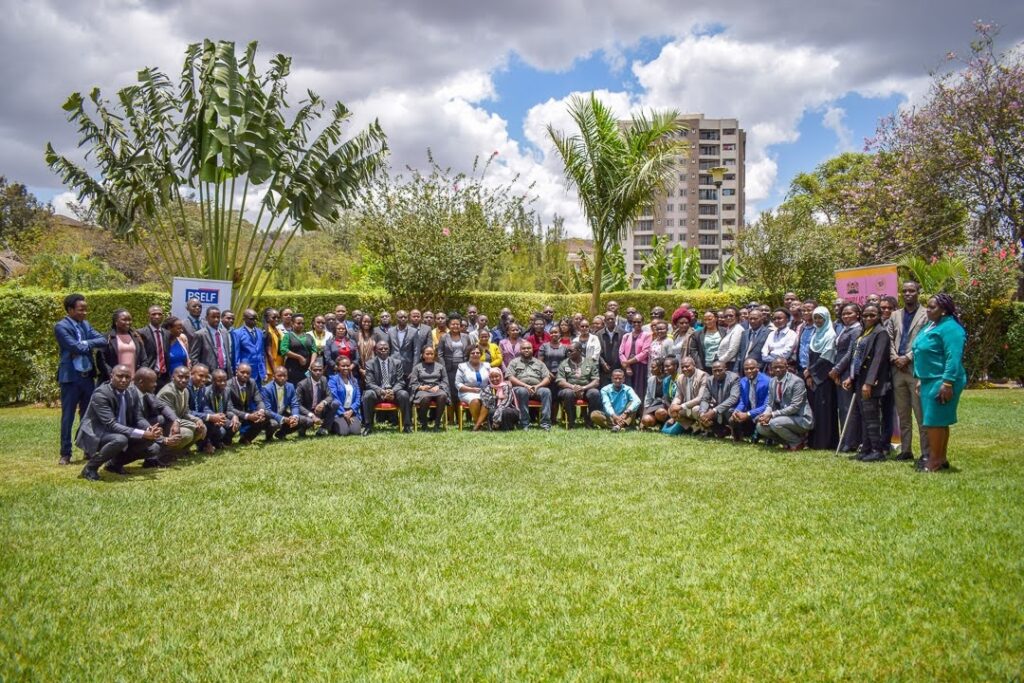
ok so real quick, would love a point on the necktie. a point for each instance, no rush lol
(244, 394)
(778, 392)
(220, 349)
(121, 410)
(315, 387)
(753, 394)
(280, 398)
(385, 373)
(161, 361)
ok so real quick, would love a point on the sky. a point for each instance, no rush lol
(807, 80)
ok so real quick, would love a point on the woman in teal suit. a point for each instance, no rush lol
(939, 369)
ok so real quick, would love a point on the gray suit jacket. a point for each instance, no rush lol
(794, 402)
(101, 417)
(203, 349)
(722, 396)
(896, 332)
(375, 380)
(409, 350)
(692, 387)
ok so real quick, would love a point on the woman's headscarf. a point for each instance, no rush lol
(823, 341)
(497, 381)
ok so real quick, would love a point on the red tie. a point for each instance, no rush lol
(220, 349)
(158, 337)
(780, 392)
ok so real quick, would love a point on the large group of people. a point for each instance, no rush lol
(789, 377)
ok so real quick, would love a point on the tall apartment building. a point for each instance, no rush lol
(689, 213)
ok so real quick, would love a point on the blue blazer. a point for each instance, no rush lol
(247, 348)
(760, 392)
(291, 400)
(67, 340)
(338, 392)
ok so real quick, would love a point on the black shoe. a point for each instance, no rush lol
(365, 431)
(116, 469)
(64, 460)
(546, 428)
(150, 463)
(90, 474)
(873, 457)
(905, 456)
(321, 432)
(407, 429)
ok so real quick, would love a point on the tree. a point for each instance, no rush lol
(685, 267)
(223, 136)
(616, 169)
(21, 214)
(968, 139)
(613, 273)
(430, 236)
(937, 275)
(535, 259)
(787, 250)
(657, 268)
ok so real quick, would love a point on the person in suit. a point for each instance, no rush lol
(733, 340)
(470, 380)
(788, 418)
(719, 399)
(781, 341)
(610, 337)
(383, 326)
(247, 346)
(211, 345)
(939, 369)
(199, 376)
(271, 342)
(849, 424)
(757, 335)
(429, 385)
(193, 320)
(315, 400)
(113, 430)
(124, 346)
(869, 374)
(344, 388)
(156, 412)
(385, 383)
(684, 410)
(709, 338)
(155, 343)
(221, 425)
(904, 326)
(753, 399)
(176, 395)
(76, 340)
(246, 403)
(282, 405)
(404, 341)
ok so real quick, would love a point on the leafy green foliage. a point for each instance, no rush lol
(613, 272)
(431, 235)
(685, 267)
(223, 134)
(982, 297)
(534, 259)
(616, 169)
(1009, 361)
(22, 215)
(940, 274)
(70, 272)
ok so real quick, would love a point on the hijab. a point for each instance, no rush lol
(823, 341)
(497, 381)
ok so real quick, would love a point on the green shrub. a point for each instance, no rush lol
(1009, 360)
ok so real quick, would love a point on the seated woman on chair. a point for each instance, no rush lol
(428, 383)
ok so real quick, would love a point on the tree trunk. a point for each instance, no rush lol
(598, 274)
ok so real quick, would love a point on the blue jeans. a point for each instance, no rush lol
(544, 396)
(73, 395)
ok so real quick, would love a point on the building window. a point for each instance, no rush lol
(642, 240)
(728, 162)
(728, 207)
(707, 209)
(706, 180)
(728, 221)
(729, 147)
(670, 223)
(682, 222)
(682, 177)
(709, 150)
(707, 164)
(728, 131)
(671, 207)
(707, 224)
(709, 135)
(645, 225)
(708, 194)
(709, 254)
(730, 176)
(728, 191)
(706, 269)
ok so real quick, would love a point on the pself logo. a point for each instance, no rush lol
(206, 297)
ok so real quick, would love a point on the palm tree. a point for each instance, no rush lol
(616, 169)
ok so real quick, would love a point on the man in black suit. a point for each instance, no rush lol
(610, 338)
(381, 331)
(315, 399)
(222, 425)
(404, 341)
(246, 403)
(154, 340)
(757, 335)
(385, 383)
(156, 412)
(113, 430)
(210, 346)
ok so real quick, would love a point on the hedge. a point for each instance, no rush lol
(28, 366)
(1009, 360)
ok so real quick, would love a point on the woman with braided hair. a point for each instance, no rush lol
(939, 369)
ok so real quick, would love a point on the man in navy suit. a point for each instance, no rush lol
(282, 405)
(76, 340)
(247, 346)
(753, 399)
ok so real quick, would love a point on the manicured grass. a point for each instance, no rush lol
(516, 556)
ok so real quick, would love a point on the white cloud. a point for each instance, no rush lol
(62, 203)
(834, 120)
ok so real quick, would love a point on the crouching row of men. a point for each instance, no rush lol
(723, 404)
(127, 421)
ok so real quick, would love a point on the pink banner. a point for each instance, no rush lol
(856, 284)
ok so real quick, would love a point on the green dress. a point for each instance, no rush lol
(938, 357)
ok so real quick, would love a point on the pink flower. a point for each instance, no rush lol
(446, 232)
(984, 250)
(974, 283)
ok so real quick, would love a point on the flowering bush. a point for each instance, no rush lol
(984, 291)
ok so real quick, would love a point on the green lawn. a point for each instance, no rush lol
(524, 556)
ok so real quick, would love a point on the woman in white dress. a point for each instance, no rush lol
(470, 379)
